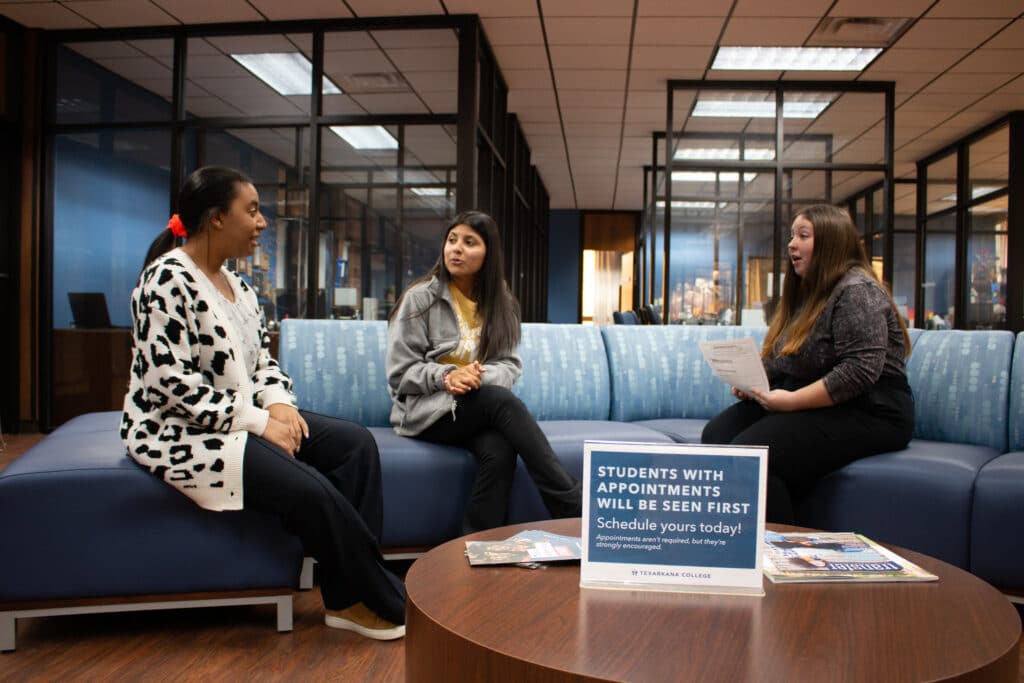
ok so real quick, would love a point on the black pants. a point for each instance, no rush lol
(805, 445)
(329, 495)
(495, 425)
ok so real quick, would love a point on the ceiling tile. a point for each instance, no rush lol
(584, 79)
(967, 83)
(426, 59)
(492, 8)
(356, 62)
(275, 10)
(591, 114)
(672, 58)
(992, 61)
(586, 8)
(675, 8)
(754, 31)
(391, 103)
(206, 12)
(422, 81)
(579, 57)
(677, 30)
(48, 15)
(880, 8)
(521, 57)
(526, 78)
(514, 31)
(945, 33)
(929, 61)
(427, 37)
(117, 13)
(1009, 38)
(781, 8)
(592, 98)
(976, 8)
(390, 8)
(587, 31)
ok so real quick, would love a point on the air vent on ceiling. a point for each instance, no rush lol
(857, 31)
(355, 84)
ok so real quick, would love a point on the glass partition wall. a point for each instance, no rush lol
(970, 197)
(363, 137)
(742, 158)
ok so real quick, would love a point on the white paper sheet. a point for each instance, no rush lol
(737, 362)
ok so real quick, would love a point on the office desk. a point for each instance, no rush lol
(509, 623)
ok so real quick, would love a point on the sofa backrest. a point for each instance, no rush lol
(1016, 416)
(660, 372)
(961, 382)
(337, 367)
(565, 372)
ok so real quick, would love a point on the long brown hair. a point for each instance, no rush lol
(837, 250)
(496, 307)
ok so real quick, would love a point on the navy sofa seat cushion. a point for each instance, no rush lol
(680, 430)
(997, 525)
(77, 494)
(920, 497)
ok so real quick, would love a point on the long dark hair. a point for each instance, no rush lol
(207, 189)
(496, 308)
(837, 250)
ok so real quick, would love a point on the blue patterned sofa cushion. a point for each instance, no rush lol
(1016, 432)
(565, 372)
(660, 372)
(337, 368)
(961, 383)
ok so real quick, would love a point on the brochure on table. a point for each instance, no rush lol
(673, 517)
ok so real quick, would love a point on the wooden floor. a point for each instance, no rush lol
(223, 644)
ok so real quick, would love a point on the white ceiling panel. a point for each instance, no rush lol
(593, 98)
(992, 61)
(1011, 37)
(526, 78)
(678, 30)
(926, 61)
(422, 81)
(491, 8)
(514, 30)
(675, 8)
(880, 8)
(276, 10)
(783, 31)
(47, 15)
(116, 13)
(356, 62)
(976, 8)
(683, 58)
(391, 103)
(967, 83)
(408, 38)
(426, 59)
(588, 31)
(589, 57)
(206, 12)
(781, 8)
(593, 8)
(572, 115)
(586, 79)
(521, 57)
(944, 33)
(387, 8)
(240, 45)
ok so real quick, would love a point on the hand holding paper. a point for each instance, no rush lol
(737, 362)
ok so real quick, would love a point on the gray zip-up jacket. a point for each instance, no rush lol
(424, 329)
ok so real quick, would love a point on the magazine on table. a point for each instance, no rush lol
(841, 556)
(528, 547)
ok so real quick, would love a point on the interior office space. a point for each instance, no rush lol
(547, 114)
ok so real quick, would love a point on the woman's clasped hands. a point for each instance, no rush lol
(464, 379)
(285, 428)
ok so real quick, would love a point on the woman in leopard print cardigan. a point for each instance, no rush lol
(209, 411)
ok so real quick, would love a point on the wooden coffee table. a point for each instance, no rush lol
(513, 624)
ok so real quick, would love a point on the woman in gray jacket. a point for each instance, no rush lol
(451, 361)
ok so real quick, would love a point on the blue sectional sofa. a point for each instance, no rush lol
(88, 530)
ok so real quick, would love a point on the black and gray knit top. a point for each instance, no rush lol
(855, 343)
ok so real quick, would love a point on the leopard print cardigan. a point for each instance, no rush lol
(191, 403)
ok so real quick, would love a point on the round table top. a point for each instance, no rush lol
(471, 622)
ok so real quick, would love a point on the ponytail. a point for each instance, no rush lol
(163, 243)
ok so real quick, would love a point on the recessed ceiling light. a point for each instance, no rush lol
(976, 191)
(429, 191)
(710, 176)
(794, 58)
(791, 109)
(289, 73)
(366, 137)
(725, 153)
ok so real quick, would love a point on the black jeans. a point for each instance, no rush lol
(495, 425)
(805, 445)
(329, 495)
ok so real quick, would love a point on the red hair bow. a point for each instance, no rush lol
(176, 227)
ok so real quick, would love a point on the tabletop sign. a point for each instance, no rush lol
(673, 517)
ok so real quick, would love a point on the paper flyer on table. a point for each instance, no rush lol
(737, 362)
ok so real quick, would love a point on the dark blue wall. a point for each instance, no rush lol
(106, 212)
(564, 262)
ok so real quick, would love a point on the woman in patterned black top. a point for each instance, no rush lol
(835, 358)
(209, 411)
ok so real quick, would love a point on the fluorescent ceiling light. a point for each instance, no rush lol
(429, 191)
(709, 176)
(791, 109)
(976, 191)
(733, 153)
(683, 204)
(795, 58)
(289, 73)
(366, 137)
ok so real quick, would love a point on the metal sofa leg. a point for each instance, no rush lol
(284, 613)
(306, 575)
(8, 630)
